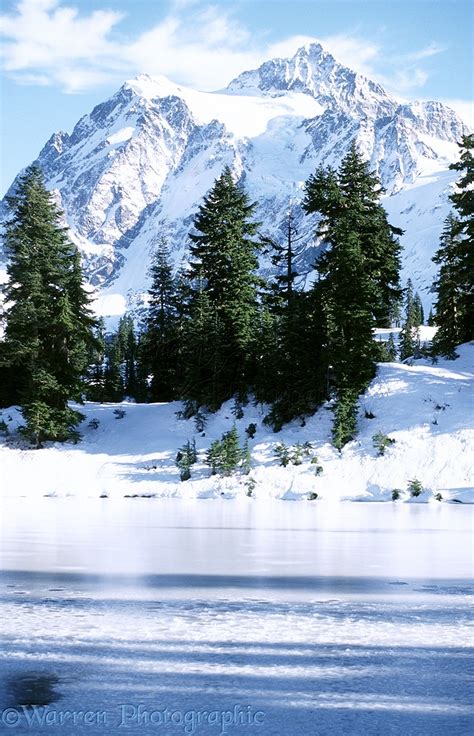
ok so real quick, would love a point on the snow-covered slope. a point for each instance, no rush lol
(426, 409)
(137, 166)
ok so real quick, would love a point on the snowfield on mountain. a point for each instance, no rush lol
(137, 167)
(426, 409)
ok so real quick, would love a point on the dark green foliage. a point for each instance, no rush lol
(409, 335)
(225, 456)
(293, 367)
(386, 352)
(116, 369)
(200, 420)
(312, 496)
(44, 422)
(185, 458)
(232, 454)
(220, 331)
(289, 362)
(351, 199)
(295, 454)
(359, 285)
(415, 488)
(455, 257)
(391, 348)
(214, 456)
(381, 441)
(246, 458)
(453, 310)
(48, 324)
(396, 494)
(161, 340)
(419, 315)
(237, 409)
(438, 497)
(283, 454)
(345, 418)
(251, 430)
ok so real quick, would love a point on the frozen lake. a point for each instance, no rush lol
(240, 617)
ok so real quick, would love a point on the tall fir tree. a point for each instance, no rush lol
(359, 286)
(224, 296)
(288, 362)
(48, 323)
(408, 333)
(419, 315)
(451, 302)
(354, 193)
(160, 342)
(455, 257)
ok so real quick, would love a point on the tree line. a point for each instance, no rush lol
(218, 330)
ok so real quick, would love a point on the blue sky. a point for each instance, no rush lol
(58, 58)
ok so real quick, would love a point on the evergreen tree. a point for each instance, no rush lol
(289, 357)
(418, 313)
(359, 285)
(354, 194)
(391, 348)
(48, 323)
(455, 283)
(387, 351)
(128, 350)
(407, 338)
(161, 338)
(223, 306)
(451, 302)
(345, 418)
(95, 381)
(114, 386)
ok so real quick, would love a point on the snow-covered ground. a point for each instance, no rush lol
(426, 409)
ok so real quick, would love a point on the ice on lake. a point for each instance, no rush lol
(350, 618)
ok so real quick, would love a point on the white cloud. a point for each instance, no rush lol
(50, 42)
(46, 39)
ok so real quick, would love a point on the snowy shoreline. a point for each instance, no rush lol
(426, 409)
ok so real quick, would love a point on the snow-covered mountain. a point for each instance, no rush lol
(136, 168)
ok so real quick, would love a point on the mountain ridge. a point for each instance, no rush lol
(137, 166)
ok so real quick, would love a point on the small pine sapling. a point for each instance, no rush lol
(250, 485)
(246, 462)
(381, 441)
(282, 453)
(185, 458)
(415, 487)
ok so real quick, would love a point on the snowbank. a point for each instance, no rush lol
(425, 408)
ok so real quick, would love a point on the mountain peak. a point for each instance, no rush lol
(314, 71)
(148, 87)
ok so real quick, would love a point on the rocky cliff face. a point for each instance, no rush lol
(136, 167)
